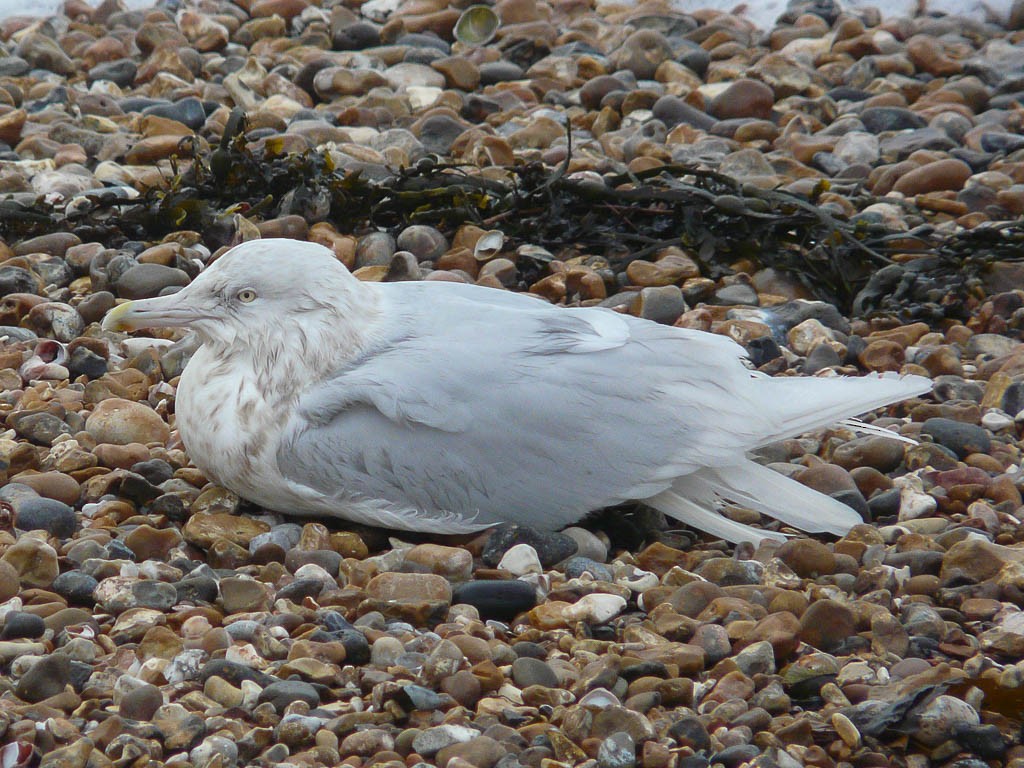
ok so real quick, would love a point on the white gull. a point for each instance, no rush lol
(443, 407)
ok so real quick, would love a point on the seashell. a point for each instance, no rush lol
(489, 245)
(50, 351)
(477, 25)
(599, 698)
(535, 253)
(47, 362)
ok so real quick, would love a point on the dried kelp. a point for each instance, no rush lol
(622, 218)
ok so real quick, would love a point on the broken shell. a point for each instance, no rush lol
(477, 25)
(489, 245)
(46, 362)
(50, 351)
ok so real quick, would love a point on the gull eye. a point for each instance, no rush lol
(246, 295)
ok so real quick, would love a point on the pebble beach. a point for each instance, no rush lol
(151, 618)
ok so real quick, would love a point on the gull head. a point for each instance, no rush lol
(254, 291)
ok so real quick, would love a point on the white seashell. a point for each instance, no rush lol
(489, 245)
(477, 25)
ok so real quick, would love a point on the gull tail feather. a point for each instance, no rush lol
(766, 491)
(804, 404)
(863, 428)
(694, 514)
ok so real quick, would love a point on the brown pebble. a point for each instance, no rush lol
(933, 177)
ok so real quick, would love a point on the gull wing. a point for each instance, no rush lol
(478, 406)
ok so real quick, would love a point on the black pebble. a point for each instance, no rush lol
(75, 587)
(551, 547)
(201, 589)
(961, 438)
(983, 740)
(501, 600)
(20, 625)
(155, 471)
(283, 692)
(42, 514)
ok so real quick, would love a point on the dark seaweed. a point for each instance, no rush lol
(625, 217)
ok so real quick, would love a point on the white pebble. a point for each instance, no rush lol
(521, 559)
(595, 608)
(996, 420)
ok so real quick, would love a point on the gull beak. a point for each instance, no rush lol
(160, 312)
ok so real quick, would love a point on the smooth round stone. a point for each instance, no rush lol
(356, 36)
(501, 600)
(642, 52)
(673, 111)
(880, 119)
(19, 625)
(690, 732)
(121, 72)
(737, 293)
(18, 280)
(284, 692)
(520, 559)
(419, 698)
(188, 111)
(13, 66)
(35, 562)
(663, 304)
(158, 595)
(141, 703)
(85, 362)
(50, 515)
(949, 174)
(409, 586)
(594, 90)
(156, 471)
(300, 589)
(430, 741)
(438, 132)
(500, 71)
(983, 740)
(144, 281)
(958, 436)
(75, 587)
(942, 717)
(727, 572)
(575, 567)
(807, 558)
(375, 249)
(588, 544)
(880, 453)
(242, 595)
(121, 422)
(826, 624)
(454, 563)
(528, 671)
(44, 679)
(821, 357)
(198, 589)
(424, 242)
(40, 428)
(1001, 142)
(743, 98)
